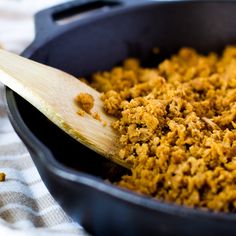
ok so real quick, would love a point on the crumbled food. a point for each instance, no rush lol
(177, 126)
(81, 112)
(2, 176)
(104, 123)
(96, 116)
(85, 101)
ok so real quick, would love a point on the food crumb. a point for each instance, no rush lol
(96, 116)
(85, 101)
(2, 177)
(81, 112)
(104, 123)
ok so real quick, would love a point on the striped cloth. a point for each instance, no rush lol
(26, 207)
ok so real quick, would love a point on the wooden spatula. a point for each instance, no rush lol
(53, 92)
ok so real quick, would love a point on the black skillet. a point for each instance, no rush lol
(100, 39)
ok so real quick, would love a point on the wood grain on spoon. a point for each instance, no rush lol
(52, 92)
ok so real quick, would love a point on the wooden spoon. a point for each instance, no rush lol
(53, 92)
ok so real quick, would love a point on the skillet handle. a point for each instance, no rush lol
(48, 21)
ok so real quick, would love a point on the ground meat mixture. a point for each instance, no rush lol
(85, 101)
(177, 125)
(2, 176)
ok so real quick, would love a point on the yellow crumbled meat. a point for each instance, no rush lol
(2, 177)
(177, 125)
(96, 116)
(85, 101)
(81, 112)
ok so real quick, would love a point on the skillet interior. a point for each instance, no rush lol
(99, 43)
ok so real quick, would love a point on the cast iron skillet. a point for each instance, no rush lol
(75, 175)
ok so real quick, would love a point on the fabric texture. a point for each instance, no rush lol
(26, 207)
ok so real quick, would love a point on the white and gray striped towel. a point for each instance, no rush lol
(26, 207)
